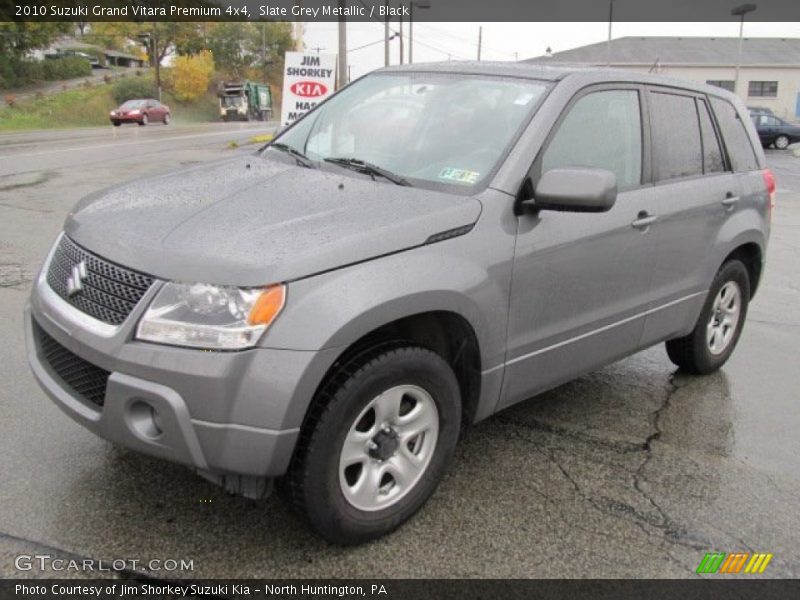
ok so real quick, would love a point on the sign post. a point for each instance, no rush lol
(307, 80)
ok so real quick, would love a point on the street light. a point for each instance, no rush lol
(412, 4)
(740, 11)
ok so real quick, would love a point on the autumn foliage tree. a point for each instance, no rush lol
(191, 75)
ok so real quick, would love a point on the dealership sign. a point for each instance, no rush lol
(307, 80)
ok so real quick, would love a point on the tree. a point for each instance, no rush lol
(248, 49)
(20, 37)
(191, 76)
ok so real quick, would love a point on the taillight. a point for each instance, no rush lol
(769, 180)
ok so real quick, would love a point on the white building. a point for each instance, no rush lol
(769, 76)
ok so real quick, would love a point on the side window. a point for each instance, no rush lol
(712, 154)
(676, 136)
(602, 130)
(734, 134)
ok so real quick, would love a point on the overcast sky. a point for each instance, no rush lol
(507, 41)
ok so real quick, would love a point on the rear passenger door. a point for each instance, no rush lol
(695, 192)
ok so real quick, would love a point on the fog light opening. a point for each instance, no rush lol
(144, 420)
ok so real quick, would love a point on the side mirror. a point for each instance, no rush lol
(574, 189)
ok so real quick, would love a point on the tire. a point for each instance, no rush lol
(116, 123)
(781, 142)
(144, 121)
(347, 412)
(710, 344)
(166, 119)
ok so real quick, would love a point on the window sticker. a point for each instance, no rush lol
(459, 175)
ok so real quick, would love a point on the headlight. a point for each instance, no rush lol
(199, 315)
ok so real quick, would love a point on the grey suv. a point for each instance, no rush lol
(427, 247)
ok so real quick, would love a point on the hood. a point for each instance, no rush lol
(252, 221)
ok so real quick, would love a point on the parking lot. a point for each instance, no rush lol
(633, 471)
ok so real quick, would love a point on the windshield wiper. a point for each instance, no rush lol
(301, 158)
(367, 167)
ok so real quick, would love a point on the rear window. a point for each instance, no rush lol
(676, 133)
(734, 134)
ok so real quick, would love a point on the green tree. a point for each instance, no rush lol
(20, 37)
(249, 49)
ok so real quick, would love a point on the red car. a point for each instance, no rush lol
(141, 112)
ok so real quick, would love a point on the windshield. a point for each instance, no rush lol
(232, 100)
(440, 128)
(133, 104)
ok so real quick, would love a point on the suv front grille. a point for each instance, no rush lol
(82, 377)
(109, 292)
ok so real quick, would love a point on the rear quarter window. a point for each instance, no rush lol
(737, 141)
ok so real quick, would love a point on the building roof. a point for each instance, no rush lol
(710, 51)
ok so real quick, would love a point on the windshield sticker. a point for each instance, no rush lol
(459, 175)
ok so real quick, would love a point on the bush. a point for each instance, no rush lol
(16, 73)
(191, 75)
(131, 89)
(65, 67)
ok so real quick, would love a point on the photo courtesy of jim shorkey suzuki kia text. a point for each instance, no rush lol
(194, 590)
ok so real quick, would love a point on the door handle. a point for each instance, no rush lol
(644, 220)
(730, 200)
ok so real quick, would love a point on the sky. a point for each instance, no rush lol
(506, 41)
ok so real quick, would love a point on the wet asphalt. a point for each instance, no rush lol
(636, 470)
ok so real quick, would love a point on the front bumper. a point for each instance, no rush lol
(126, 118)
(220, 412)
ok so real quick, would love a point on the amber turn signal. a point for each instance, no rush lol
(268, 305)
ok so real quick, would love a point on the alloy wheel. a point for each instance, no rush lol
(724, 319)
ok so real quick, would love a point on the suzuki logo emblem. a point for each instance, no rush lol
(75, 280)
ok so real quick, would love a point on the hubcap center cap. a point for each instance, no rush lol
(385, 444)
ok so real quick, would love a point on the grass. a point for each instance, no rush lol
(89, 107)
(83, 107)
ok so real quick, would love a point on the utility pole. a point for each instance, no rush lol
(411, 32)
(610, 21)
(264, 47)
(480, 40)
(386, 35)
(158, 64)
(401, 36)
(419, 4)
(740, 11)
(342, 45)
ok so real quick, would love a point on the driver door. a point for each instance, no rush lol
(582, 281)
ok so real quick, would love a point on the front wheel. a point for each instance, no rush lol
(781, 142)
(378, 439)
(719, 326)
(144, 121)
